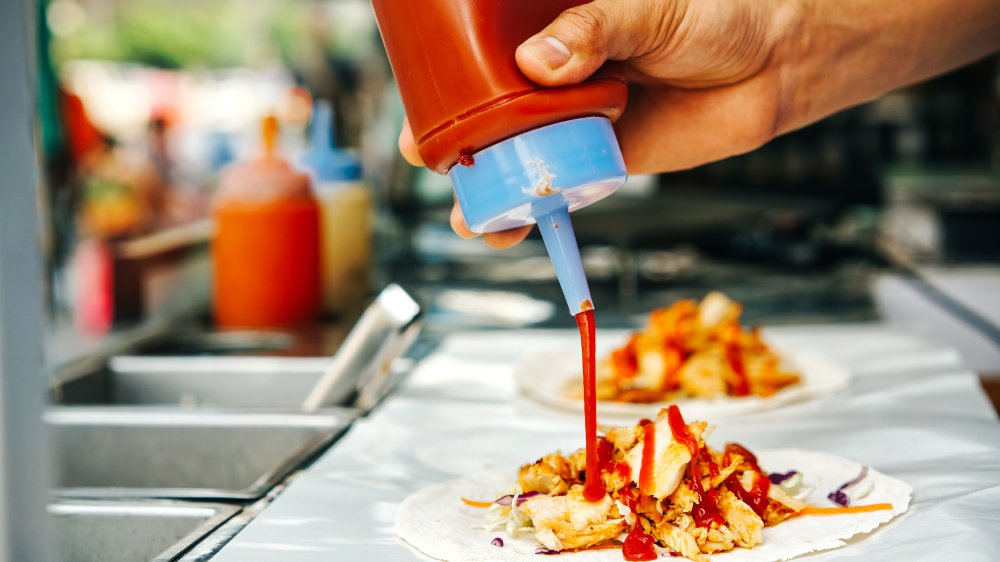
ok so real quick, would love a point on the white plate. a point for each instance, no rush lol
(545, 378)
(436, 522)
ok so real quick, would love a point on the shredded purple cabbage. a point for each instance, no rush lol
(497, 542)
(777, 478)
(505, 500)
(546, 552)
(839, 496)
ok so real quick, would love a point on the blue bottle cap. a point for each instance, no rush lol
(574, 162)
(323, 160)
(540, 177)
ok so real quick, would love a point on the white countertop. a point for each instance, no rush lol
(977, 288)
(913, 411)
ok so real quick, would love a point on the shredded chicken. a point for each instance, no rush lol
(570, 521)
(692, 350)
(666, 503)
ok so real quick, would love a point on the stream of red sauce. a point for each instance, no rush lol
(600, 453)
(593, 488)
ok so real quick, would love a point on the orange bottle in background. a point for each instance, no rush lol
(265, 252)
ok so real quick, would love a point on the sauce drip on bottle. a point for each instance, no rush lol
(593, 489)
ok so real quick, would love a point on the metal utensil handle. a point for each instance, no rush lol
(375, 341)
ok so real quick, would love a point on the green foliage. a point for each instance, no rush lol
(164, 34)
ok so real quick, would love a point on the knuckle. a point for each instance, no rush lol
(587, 23)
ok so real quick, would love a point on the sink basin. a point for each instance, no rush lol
(113, 531)
(152, 452)
(253, 382)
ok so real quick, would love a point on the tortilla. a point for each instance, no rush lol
(546, 377)
(436, 522)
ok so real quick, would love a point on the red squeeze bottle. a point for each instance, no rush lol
(265, 252)
(462, 90)
(525, 154)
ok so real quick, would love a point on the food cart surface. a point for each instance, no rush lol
(913, 410)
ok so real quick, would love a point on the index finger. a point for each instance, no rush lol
(408, 146)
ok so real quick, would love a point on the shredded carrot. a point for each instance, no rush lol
(474, 503)
(812, 510)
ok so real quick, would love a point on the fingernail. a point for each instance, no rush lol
(549, 50)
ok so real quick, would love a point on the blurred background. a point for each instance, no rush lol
(870, 214)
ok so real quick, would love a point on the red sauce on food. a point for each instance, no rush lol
(627, 498)
(606, 462)
(680, 430)
(638, 545)
(672, 369)
(756, 497)
(625, 359)
(623, 470)
(741, 386)
(705, 457)
(742, 451)
(706, 511)
(648, 456)
(605, 453)
(593, 489)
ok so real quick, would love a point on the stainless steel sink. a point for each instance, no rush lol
(127, 531)
(364, 368)
(252, 382)
(171, 453)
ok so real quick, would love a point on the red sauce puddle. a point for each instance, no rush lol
(593, 489)
(638, 545)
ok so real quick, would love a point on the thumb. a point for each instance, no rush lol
(581, 39)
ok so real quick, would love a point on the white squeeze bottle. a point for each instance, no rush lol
(345, 204)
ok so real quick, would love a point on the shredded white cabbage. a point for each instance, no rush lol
(796, 487)
(626, 513)
(510, 519)
(859, 491)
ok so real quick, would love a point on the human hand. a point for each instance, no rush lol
(709, 79)
(500, 240)
(692, 66)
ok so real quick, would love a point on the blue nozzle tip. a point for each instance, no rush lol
(560, 241)
(323, 159)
